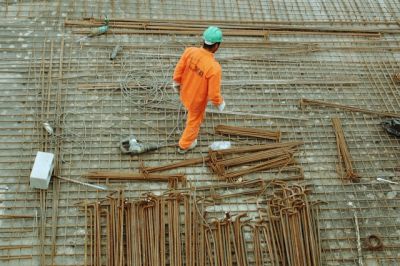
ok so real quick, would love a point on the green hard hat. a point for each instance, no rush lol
(212, 35)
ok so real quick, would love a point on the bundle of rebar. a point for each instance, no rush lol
(142, 232)
(173, 180)
(145, 232)
(148, 231)
(117, 175)
(288, 228)
(114, 211)
(273, 158)
(230, 28)
(248, 132)
(173, 229)
(305, 102)
(255, 157)
(224, 241)
(343, 152)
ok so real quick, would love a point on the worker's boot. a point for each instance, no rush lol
(192, 146)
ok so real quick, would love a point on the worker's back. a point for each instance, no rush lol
(200, 78)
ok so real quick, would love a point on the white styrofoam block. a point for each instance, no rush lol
(42, 170)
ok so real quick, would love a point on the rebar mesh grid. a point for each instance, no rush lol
(92, 102)
(374, 12)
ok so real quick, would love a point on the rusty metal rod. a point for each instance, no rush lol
(305, 102)
(115, 175)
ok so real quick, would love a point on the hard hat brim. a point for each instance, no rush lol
(209, 43)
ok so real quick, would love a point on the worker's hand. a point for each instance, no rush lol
(176, 86)
(221, 107)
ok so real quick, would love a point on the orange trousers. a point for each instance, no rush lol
(193, 123)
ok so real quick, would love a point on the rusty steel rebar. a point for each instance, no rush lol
(289, 227)
(343, 152)
(266, 159)
(231, 28)
(238, 150)
(116, 175)
(173, 229)
(305, 102)
(262, 147)
(248, 132)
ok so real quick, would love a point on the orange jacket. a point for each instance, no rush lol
(199, 75)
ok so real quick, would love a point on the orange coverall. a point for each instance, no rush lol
(199, 76)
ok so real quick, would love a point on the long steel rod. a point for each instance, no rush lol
(304, 102)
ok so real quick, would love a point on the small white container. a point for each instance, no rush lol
(42, 170)
(220, 145)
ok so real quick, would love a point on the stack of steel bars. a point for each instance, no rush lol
(255, 158)
(289, 228)
(264, 157)
(230, 28)
(142, 232)
(178, 229)
(248, 132)
(343, 152)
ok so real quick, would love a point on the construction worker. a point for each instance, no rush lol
(197, 78)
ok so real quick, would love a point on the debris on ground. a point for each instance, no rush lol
(392, 126)
(133, 146)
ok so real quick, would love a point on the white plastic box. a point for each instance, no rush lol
(42, 170)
